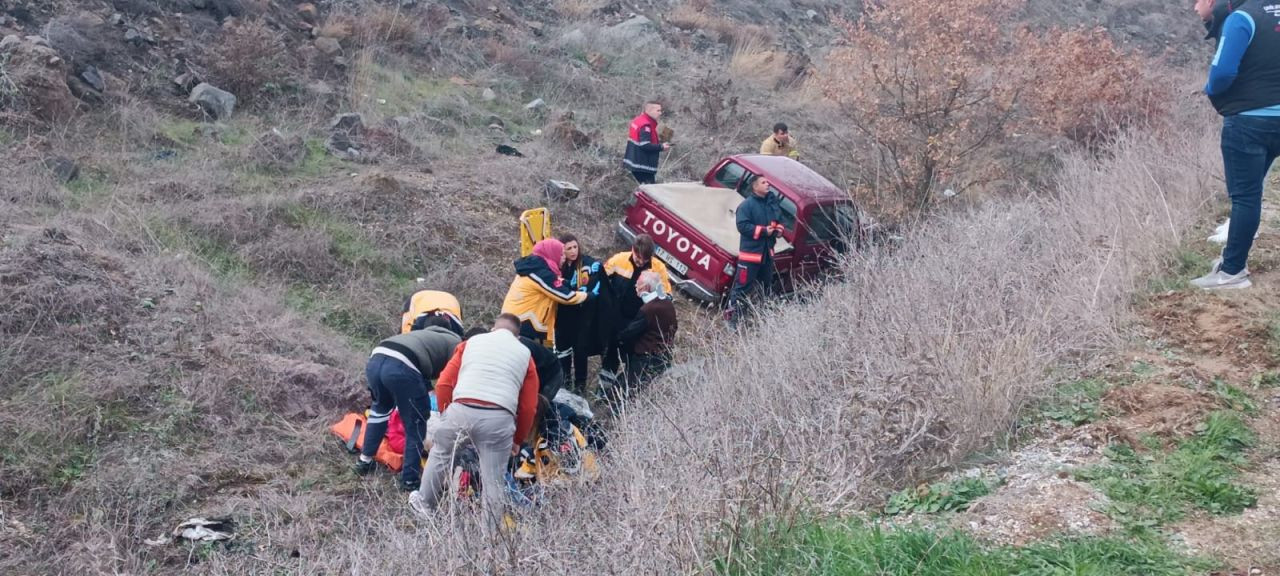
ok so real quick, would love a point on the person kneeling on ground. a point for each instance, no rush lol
(487, 396)
(549, 423)
(649, 337)
(623, 270)
(399, 371)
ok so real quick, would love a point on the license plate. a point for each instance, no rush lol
(671, 261)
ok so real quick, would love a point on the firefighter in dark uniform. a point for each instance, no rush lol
(759, 226)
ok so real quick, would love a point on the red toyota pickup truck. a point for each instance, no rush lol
(694, 228)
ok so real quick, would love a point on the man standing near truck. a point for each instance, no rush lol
(759, 226)
(1244, 87)
(643, 145)
(780, 143)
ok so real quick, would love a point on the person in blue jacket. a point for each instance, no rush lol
(759, 223)
(1244, 87)
(578, 335)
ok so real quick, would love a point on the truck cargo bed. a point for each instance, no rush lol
(710, 211)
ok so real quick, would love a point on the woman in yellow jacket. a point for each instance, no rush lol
(538, 290)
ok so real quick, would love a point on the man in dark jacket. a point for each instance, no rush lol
(759, 227)
(1244, 87)
(399, 373)
(650, 336)
(643, 144)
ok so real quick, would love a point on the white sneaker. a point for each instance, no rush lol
(419, 506)
(1219, 280)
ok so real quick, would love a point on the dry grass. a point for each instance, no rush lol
(921, 356)
(578, 9)
(757, 62)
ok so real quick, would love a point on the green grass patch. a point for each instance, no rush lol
(1234, 398)
(221, 259)
(1185, 265)
(353, 248)
(399, 93)
(1269, 379)
(363, 327)
(182, 131)
(91, 186)
(1075, 403)
(937, 497)
(855, 548)
(1148, 489)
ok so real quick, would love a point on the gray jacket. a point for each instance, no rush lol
(428, 349)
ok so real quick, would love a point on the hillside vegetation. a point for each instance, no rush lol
(190, 291)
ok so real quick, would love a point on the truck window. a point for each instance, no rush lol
(830, 222)
(730, 174)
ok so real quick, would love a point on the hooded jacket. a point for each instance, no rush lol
(535, 295)
(754, 217)
(643, 145)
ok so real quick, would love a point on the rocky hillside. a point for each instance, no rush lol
(210, 209)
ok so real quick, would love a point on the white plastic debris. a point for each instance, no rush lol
(205, 530)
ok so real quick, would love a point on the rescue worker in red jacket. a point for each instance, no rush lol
(759, 222)
(643, 145)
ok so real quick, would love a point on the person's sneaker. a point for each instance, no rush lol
(568, 457)
(1219, 280)
(419, 506)
(363, 468)
(527, 469)
(408, 485)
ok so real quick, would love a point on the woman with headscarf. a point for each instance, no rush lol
(539, 290)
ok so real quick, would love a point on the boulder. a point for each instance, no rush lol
(39, 76)
(215, 102)
(634, 28)
(488, 95)
(349, 123)
(11, 41)
(93, 78)
(535, 105)
(328, 46)
(308, 13)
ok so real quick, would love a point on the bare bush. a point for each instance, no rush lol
(714, 102)
(252, 61)
(1082, 86)
(393, 27)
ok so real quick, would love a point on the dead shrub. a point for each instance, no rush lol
(393, 27)
(714, 102)
(54, 281)
(252, 61)
(929, 95)
(758, 63)
(578, 9)
(303, 255)
(1084, 87)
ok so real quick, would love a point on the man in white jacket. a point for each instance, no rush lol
(488, 395)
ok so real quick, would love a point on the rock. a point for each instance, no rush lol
(488, 95)
(93, 78)
(340, 61)
(573, 37)
(349, 123)
(561, 191)
(40, 79)
(811, 14)
(133, 36)
(215, 102)
(494, 119)
(9, 42)
(64, 169)
(328, 46)
(116, 19)
(535, 105)
(308, 13)
(186, 81)
(636, 27)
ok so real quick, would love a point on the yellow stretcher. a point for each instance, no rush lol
(535, 225)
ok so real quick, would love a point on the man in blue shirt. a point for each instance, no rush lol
(1244, 87)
